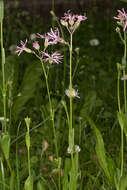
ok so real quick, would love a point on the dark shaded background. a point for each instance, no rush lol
(43, 7)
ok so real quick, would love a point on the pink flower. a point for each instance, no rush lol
(68, 16)
(122, 18)
(81, 18)
(51, 37)
(53, 58)
(36, 45)
(71, 21)
(22, 48)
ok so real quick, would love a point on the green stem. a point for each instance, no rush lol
(3, 176)
(125, 106)
(29, 165)
(70, 87)
(9, 166)
(3, 79)
(125, 52)
(71, 119)
(17, 168)
(51, 109)
(119, 107)
(53, 5)
(118, 90)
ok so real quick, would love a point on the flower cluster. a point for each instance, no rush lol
(122, 18)
(71, 22)
(53, 37)
(76, 148)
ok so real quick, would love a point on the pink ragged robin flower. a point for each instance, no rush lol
(81, 18)
(51, 37)
(23, 48)
(36, 45)
(53, 58)
(71, 21)
(122, 18)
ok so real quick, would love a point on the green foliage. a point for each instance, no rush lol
(27, 95)
(28, 88)
(105, 163)
(40, 185)
(5, 145)
(12, 181)
(29, 183)
(122, 118)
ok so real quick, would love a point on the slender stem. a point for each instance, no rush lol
(29, 166)
(70, 81)
(118, 90)
(125, 52)
(53, 5)
(125, 106)
(51, 109)
(3, 79)
(71, 119)
(122, 152)
(17, 168)
(3, 176)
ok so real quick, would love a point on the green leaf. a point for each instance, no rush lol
(67, 169)
(27, 140)
(1, 10)
(100, 150)
(40, 185)
(5, 145)
(122, 118)
(111, 168)
(117, 177)
(29, 183)
(123, 183)
(67, 166)
(28, 88)
(12, 181)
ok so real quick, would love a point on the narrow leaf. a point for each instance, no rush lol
(40, 185)
(100, 150)
(29, 183)
(12, 181)
(5, 144)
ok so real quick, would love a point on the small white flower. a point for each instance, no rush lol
(77, 148)
(69, 150)
(94, 42)
(2, 119)
(72, 93)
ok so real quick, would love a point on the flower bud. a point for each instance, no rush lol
(36, 45)
(117, 29)
(27, 50)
